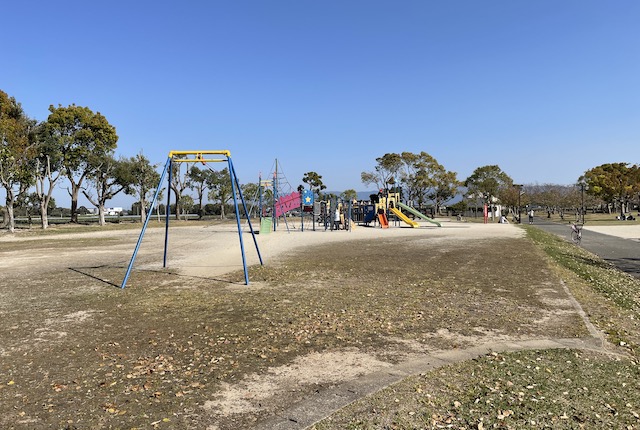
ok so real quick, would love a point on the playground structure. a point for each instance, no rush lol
(280, 203)
(203, 157)
(385, 205)
(333, 214)
(415, 212)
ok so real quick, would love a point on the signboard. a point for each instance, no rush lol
(307, 197)
(286, 203)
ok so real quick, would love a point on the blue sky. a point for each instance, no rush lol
(545, 89)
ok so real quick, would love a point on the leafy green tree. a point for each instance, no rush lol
(488, 183)
(445, 187)
(416, 174)
(179, 180)
(250, 192)
(16, 153)
(48, 171)
(84, 138)
(220, 189)
(5, 217)
(198, 180)
(161, 208)
(314, 180)
(209, 209)
(349, 195)
(613, 182)
(27, 205)
(142, 179)
(268, 199)
(185, 205)
(388, 166)
(109, 177)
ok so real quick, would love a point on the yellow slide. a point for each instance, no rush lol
(403, 217)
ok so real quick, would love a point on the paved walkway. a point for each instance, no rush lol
(327, 400)
(621, 253)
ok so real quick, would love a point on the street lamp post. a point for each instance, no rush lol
(582, 193)
(519, 195)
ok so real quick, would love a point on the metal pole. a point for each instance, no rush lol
(244, 206)
(235, 204)
(144, 226)
(260, 198)
(275, 197)
(582, 210)
(519, 204)
(167, 212)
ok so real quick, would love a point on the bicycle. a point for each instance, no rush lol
(576, 233)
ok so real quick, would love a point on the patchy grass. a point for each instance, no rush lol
(560, 389)
(78, 353)
(610, 297)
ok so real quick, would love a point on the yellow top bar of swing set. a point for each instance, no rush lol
(200, 156)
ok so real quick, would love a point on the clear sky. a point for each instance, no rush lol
(545, 89)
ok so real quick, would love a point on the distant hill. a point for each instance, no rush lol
(364, 195)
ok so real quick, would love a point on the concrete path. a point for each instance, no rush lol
(621, 253)
(328, 400)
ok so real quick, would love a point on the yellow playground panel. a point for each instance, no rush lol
(199, 156)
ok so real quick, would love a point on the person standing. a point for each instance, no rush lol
(531, 216)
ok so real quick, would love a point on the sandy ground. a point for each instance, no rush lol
(213, 250)
(226, 255)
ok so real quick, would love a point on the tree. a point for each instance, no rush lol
(250, 192)
(185, 204)
(109, 177)
(143, 180)
(488, 183)
(179, 182)
(220, 189)
(84, 137)
(613, 182)
(26, 205)
(349, 195)
(445, 187)
(416, 174)
(314, 180)
(383, 174)
(16, 153)
(198, 180)
(47, 172)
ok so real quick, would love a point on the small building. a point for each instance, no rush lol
(112, 211)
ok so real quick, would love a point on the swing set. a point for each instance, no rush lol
(197, 157)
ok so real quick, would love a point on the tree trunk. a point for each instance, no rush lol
(75, 191)
(5, 217)
(10, 199)
(12, 220)
(143, 211)
(101, 220)
(44, 218)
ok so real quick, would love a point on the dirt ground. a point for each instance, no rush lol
(192, 346)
